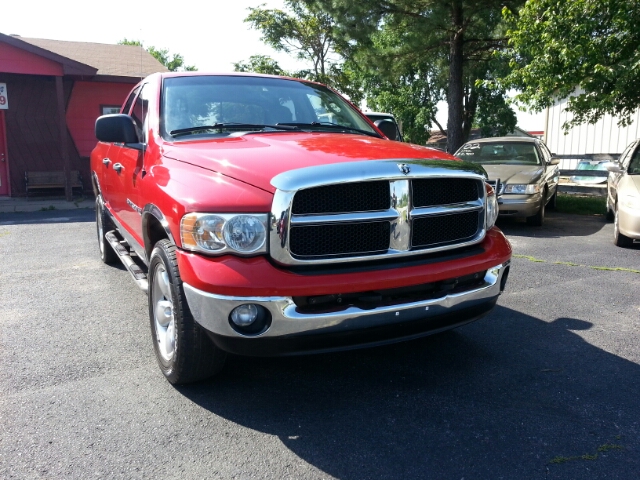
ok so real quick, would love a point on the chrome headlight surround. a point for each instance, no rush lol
(491, 207)
(522, 188)
(243, 234)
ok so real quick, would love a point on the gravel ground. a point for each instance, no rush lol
(547, 386)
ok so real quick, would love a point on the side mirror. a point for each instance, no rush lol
(116, 128)
(613, 167)
(389, 128)
(554, 161)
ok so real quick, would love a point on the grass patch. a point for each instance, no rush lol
(582, 205)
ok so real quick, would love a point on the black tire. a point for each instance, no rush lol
(553, 201)
(104, 225)
(538, 219)
(619, 239)
(609, 216)
(193, 356)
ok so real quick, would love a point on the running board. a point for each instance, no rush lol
(132, 267)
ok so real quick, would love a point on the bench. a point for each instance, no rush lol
(51, 180)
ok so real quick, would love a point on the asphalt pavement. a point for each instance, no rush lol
(545, 387)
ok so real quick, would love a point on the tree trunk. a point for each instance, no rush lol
(470, 109)
(455, 134)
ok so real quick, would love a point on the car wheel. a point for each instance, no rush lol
(184, 352)
(609, 216)
(104, 225)
(553, 201)
(538, 219)
(619, 239)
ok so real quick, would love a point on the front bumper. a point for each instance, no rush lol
(519, 205)
(293, 332)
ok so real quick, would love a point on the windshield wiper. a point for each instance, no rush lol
(229, 125)
(334, 126)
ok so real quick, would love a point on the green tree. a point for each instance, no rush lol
(260, 64)
(584, 49)
(173, 61)
(310, 37)
(456, 39)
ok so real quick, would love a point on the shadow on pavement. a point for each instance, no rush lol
(500, 398)
(555, 225)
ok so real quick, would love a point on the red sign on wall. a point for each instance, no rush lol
(4, 99)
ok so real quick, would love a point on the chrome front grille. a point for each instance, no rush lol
(345, 212)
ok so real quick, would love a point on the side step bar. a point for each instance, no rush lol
(132, 267)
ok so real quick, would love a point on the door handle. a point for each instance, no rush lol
(117, 167)
(106, 162)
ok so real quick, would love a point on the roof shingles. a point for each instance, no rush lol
(116, 60)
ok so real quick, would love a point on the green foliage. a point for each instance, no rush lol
(174, 62)
(586, 49)
(260, 64)
(310, 36)
(422, 51)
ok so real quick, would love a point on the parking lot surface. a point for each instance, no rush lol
(546, 386)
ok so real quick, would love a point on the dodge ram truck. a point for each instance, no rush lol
(265, 216)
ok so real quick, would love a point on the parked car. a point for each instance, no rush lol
(258, 227)
(387, 124)
(521, 169)
(623, 196)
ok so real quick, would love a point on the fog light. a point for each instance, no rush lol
(244, 315)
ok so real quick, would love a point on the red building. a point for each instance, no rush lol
(51, 93)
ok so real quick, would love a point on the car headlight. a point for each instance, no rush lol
(215, 234)
(491, 208)
(522, 189)
(630, 201)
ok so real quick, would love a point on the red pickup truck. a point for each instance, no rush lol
(268, 216)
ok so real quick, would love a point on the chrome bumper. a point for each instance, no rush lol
(212, 311)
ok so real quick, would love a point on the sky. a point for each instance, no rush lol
(209, 34)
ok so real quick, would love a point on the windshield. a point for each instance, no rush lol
(232, 103)
(513, 153)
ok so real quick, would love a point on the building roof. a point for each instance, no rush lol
(109, 60)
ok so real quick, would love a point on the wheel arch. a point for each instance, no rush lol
(155, 227)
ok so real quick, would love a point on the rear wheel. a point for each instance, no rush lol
(184, 352)
(618, 238)
(104, 225)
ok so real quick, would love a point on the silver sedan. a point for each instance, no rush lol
(623, 196)
(522, 169)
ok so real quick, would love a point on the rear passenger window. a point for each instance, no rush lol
(140, 113)
(129, 102)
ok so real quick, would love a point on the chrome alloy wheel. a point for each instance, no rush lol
(164, 321)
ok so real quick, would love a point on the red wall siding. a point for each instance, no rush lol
(16, 60)
(33, 133)
(85, 107)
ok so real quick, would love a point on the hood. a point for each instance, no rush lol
(514, 173)
(257, 158)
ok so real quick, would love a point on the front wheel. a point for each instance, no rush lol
(184, 352)
(553, 201)
(538, 219)
(619, 239)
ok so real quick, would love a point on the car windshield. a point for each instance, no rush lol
(220, 105)
(513, 153)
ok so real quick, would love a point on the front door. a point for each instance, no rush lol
(4, 161)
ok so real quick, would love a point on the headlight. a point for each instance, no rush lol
(244, 234)
(491, 208)
(522, 189)
(630, 201)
